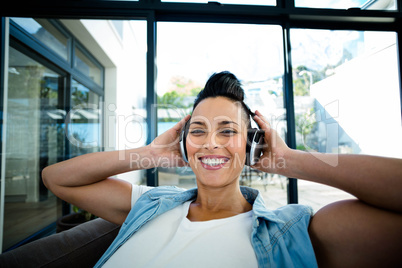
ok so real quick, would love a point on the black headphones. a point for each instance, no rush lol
(255, 143)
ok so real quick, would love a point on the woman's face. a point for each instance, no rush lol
(216, 142)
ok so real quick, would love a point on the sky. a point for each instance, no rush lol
(196, 50)
(251, 52)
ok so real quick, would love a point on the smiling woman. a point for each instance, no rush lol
(221, 141)
(230, 224)
(217, 138)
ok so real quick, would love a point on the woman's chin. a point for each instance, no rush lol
(215, 181)
(215, 176)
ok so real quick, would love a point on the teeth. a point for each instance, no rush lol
(213, 161)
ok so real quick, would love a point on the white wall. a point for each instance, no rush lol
(367, 91)
(124, 59)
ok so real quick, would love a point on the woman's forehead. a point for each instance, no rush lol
(216, 110)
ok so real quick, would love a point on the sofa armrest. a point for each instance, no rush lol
(81, 246)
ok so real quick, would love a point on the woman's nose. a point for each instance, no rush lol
(211, 141)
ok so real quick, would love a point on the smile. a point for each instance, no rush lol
(213, 162)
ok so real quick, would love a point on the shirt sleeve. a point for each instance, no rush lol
(137, 191)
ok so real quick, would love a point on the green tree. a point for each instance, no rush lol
(305, 124)
(301, 82)
(172, 98)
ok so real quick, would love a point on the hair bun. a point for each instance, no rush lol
(223, 84)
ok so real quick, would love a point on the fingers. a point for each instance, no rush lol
(261, 121)
(179, 126)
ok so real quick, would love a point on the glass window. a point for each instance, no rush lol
(128, 112)
(34, 140)
(86, 66)
(347, 100)
(346, 4)
(234, 2)
(84, 129)
(188, 53)
(47, 33)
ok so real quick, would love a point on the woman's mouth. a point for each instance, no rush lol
(213, 162)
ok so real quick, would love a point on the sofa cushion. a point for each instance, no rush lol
(81, 246)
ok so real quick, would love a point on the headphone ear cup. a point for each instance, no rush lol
(250, 139)
(255, 144)
(182, 141)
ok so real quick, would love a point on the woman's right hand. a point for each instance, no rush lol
(165, 148)
(87, 180)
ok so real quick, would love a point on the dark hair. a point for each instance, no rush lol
(224, 84)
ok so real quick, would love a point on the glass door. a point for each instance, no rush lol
(34, 140)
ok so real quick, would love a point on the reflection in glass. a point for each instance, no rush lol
(188, 53)
(47, 33)
(346, 88)
(35, 139)
(84, 121)
(346, 4)
(86, 66)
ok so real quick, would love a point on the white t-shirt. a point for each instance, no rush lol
(172, 240)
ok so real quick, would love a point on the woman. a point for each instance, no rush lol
(221, 224)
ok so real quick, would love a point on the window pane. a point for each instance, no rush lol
(234, 2)
(128, 113)
(347, 100)
(35, 139)
(124, 48)
(87, 66)
(346, 4)
(84, 126)
(47, 33)
(188, 53)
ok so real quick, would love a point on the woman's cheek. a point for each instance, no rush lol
(193, 145)
(237, 144)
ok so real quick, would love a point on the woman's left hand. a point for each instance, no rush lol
(275, 149)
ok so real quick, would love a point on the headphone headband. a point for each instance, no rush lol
(247, 109)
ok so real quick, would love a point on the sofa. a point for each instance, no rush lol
(81, 246)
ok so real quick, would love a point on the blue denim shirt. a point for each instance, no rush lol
(279, 237)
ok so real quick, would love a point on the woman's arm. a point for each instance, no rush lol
(374, 180)
(85, 180)
(353, 233)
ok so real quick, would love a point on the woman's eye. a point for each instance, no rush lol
(197, 131)
(228, 132)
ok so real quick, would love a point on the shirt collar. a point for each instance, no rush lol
(254, 197)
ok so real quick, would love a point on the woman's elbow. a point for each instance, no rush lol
(48, 177)
(45, 177)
